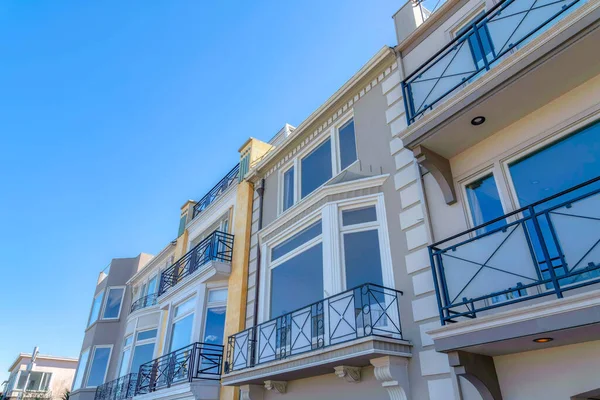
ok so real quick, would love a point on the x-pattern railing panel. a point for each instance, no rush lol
(218, 246)
(195, 361)
(367, 310)
(119, 389)
(549, 247)
(508, 25)
(217, 190)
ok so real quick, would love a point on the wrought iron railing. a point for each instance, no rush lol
(143, 302)
(217, 190)
(218, 247)
(367, 310)
(195, 361)
(505, 27)
(547, 248)
(119, 389)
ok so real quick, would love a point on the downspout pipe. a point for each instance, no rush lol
(261, 192)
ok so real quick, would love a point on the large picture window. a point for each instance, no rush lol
(181, 328)
(297, 267)
(98, 366)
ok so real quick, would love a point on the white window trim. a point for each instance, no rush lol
(125, 347)
(280, 184)
(91, 362)
(333, 274)
(335, 136)
(105, 301)
(173, 320)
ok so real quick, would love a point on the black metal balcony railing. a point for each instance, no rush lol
(143, 302)
(218, 247)
(119, 389)
(193, 362)
(547, 248)
(217, 190)
(367, 310)
(503, 28)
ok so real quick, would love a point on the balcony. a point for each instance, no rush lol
(215, 192)
(517, 57)
(348, 329)
(119, 389)
(143, 302)
(197, 361)
(216, 248)
(533, 271)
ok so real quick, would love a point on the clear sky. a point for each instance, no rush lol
(113, 113)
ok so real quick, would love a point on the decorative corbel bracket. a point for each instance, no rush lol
(280, 386)
(392, 372)
(350, 374)
(251, 392)
(439, 167)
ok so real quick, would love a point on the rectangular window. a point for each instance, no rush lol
(96, 306)
(288, 188)
(316, 168)
(98, 366)
(145, 335)
(152, 285)
(112, 308)
(125, 357)
(297, 240)
(141, 355)
(38, 381)
(22, 379)
(219, 295)
(297, 282)
(347, 142)
(484, 203)
(362, 258)
(81, 367)
(181, 329)
(215, 325)
(359, 216)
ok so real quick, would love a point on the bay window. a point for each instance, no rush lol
(143, 349)
(81, 368)
(96, 306)
(98, 366)
(126, 356)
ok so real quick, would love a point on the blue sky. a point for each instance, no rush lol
(107, 112)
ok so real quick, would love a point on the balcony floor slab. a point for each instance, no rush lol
(356, 353)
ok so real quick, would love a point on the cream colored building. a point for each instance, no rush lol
(49, 377)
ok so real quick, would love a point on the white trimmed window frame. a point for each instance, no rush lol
(333, 267)
(173, 320)
(212, 304)
(332, 134)
(100, 311)
(91, 363)
(105, 301)
(84, 371)
(125, 348)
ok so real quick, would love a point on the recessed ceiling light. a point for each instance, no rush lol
(478, 120)
(543, 340)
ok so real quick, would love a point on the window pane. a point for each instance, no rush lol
(113, 303)
(217, 295)
(185, 307)
(297, 240)
(45, 381)
(359, 216)
(128, 341)
(142, 354)
(558, 167)
(215, 325)
(125, 362)
(347, 145)
(151, 334)
(362, 258)
(152, 285)
(22, 379)
(288, 188)
(37, 380)
(316, 168)
(484, 202)
(181, 334)
(297, 282)
(83, 360)
(98, 367)
(96, 305)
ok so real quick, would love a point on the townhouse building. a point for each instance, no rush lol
(427, 233)
(44, 377)
(496, 135)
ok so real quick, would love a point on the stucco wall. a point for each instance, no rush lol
(553, 374)
(328, 387)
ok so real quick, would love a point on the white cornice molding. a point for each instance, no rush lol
(527, 313)
(209, 272)
(320, 194)
(345, 90)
